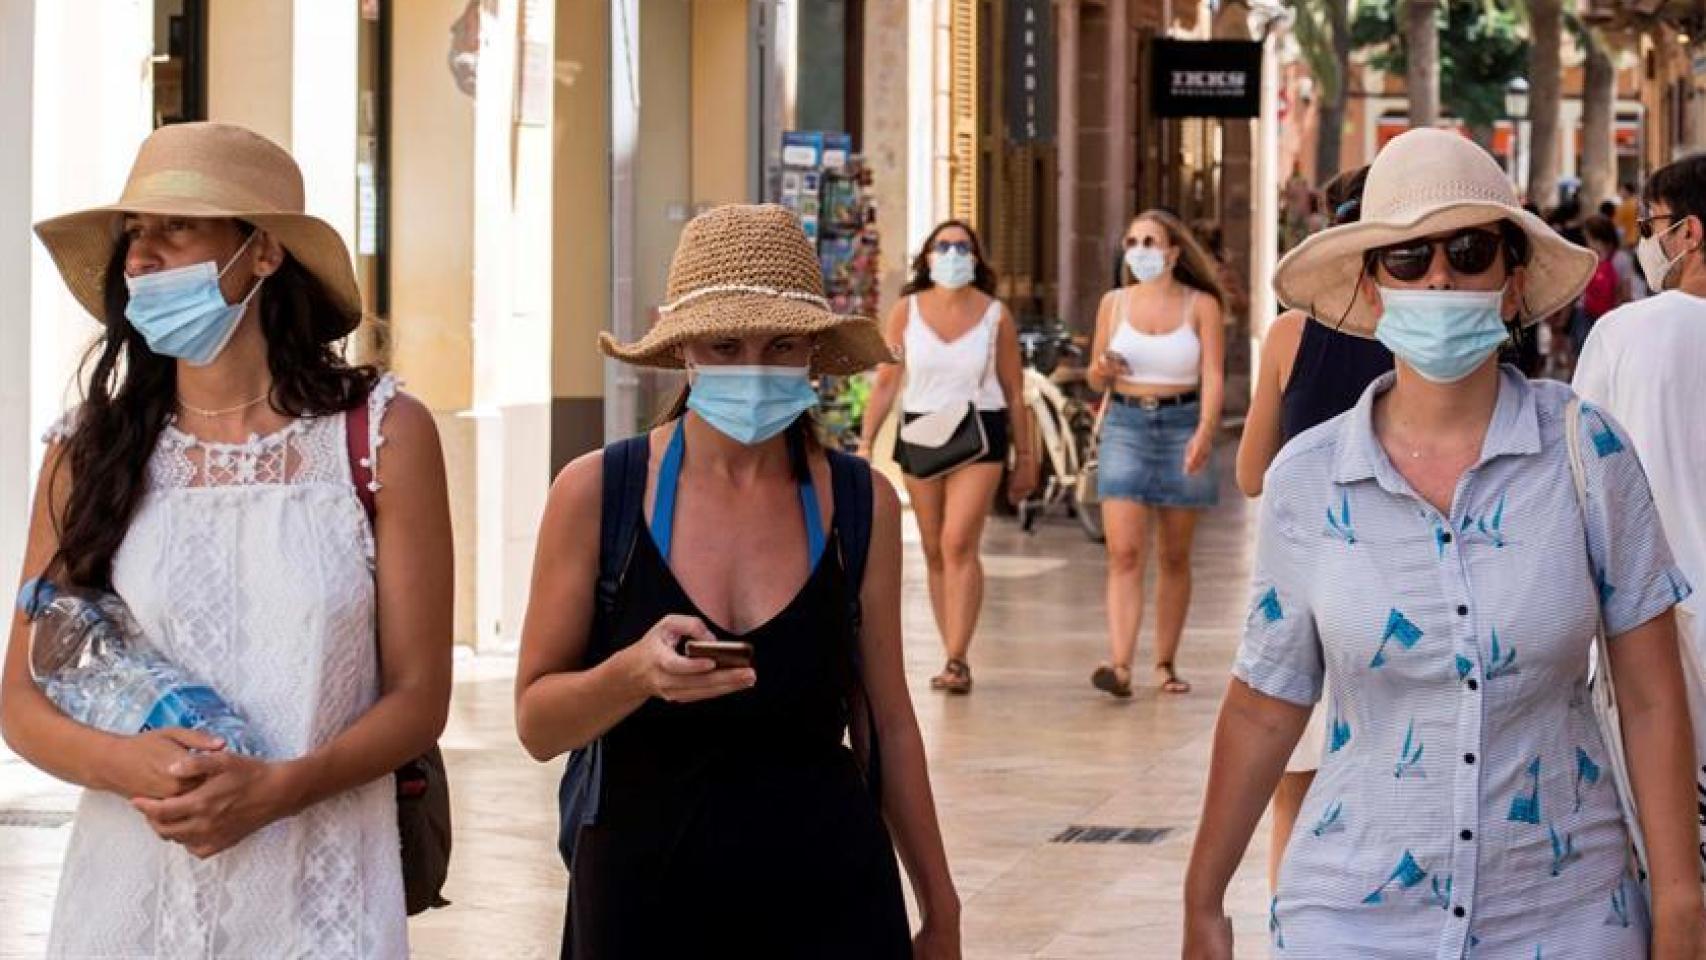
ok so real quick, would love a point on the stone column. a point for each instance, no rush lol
(431, 329)
(1237, 169)
(1066, 153)
(580, 258)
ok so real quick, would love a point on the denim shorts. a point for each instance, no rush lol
(1143, 457)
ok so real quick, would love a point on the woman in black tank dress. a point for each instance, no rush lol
(1309, 373)
(731, 817)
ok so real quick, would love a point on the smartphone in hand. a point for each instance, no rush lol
(727, 654)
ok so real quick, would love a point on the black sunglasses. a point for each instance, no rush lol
(1645, 224)
(1469, 253)
(953, 246)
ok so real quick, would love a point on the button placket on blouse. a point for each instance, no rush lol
(1466, 777)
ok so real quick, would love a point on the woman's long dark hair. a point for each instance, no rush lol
(131, 394)
(983, 279)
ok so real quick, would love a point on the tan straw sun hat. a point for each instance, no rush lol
(208, 170)
(742, 270)
(1426, 182)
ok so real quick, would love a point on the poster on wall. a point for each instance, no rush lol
(1207, 78)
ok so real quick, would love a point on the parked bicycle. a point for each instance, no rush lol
(1066, 425)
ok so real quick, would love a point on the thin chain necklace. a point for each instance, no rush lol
(227, 411)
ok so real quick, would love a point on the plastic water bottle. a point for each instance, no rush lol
(90, 658)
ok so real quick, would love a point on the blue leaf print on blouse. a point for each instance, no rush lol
(1268, 606)
(1605, 441)
(1677, 595)
(1619, 916)
(1604, 586)
(1503, 663)
(1587, 774)
(1464, 666)
(1441, 893)
(1410, 757)
(1489, 529)
(1274, 924)
(1564, 851)
(1399, 628)
(1332, 821)
(1406, 875)
(1340, 525)
(1525, 807)
(1441, 538)
(1340, 735)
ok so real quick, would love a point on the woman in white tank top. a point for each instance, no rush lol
(957, 345)
(1159, 352)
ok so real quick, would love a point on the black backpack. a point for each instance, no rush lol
(625, 468)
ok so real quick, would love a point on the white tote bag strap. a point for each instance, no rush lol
(1603, 691)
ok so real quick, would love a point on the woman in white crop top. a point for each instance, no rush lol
(957, 345)
(1159, 352)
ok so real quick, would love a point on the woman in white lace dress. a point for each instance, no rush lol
(206, 478)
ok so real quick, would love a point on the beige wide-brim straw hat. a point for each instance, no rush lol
(208, 170)
(744, 270)
(1426, 182)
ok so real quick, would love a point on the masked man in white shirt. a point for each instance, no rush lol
(1645, 363)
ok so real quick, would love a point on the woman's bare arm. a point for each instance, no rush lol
(1653, 706)
(908, 803)
(888, 377)
(1262, 431)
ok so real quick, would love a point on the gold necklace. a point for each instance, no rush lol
(213, 414)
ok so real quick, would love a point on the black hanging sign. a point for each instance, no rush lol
(1207, 78)
(1030, 71)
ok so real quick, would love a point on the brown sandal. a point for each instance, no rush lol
(1112, 680)
(954, 678)
(1170, 682)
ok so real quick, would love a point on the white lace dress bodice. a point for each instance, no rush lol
(250, 565)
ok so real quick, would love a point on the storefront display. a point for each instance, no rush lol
(828, 187)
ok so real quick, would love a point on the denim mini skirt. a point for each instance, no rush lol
(1142, 457)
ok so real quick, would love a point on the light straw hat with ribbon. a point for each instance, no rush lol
(1426, 182)
(208, 170)
(744, 270)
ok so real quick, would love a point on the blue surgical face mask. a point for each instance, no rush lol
(1444, 335)
(182, 312)
(751, 404)
(953, 270)
(1146, 263)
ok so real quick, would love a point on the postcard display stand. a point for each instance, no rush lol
(828, 187)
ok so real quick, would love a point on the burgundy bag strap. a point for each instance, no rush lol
(359, 443)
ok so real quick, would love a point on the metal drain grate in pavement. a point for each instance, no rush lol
(1104, 835)
(38, 819)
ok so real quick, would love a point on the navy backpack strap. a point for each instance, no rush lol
(622, 509)
(625, 466)
(851, 480)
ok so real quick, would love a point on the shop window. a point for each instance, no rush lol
(831, 54)
(179, 62)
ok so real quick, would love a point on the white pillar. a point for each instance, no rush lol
(621, 398)
(512, 317)
(91, 108)
(1264, 231)
(921, 145)
(323, 128)
(17, 76)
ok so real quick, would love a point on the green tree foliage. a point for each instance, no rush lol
(1482, 46)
